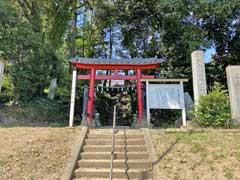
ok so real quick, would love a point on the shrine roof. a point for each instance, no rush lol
(142, 63)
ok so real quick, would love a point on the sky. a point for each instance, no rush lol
(208, 54)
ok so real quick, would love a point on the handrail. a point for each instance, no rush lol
(125, 154)
(113, 144)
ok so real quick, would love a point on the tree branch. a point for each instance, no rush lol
(24, 8)
(88, 4)
(27, 4)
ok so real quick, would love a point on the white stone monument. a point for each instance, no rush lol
(52, 89)
(188, 105)
(233, 79)
(1, 73)
(199, 75)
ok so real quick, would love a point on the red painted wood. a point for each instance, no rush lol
(91, 96)
(115, 72)
(139, 96)
(113, 77)
(79, 65)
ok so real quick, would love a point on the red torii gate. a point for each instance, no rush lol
(93, 64)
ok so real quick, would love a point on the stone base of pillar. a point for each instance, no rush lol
(84, 119)
(91, 124)
(142, 124)
(84, 122)
(191, 125)
(88, 124)
(235, 123)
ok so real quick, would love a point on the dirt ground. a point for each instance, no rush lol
(35, 153)
(206, 156)
(41, 154)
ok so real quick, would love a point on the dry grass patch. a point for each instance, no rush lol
(209, 155)
(35, 153)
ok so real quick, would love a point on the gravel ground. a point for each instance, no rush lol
(35, 153)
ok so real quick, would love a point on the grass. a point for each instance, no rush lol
(206, 155)
(228, 173)
(238, 155)
(197, 148)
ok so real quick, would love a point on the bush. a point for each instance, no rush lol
(7, 89)
(38, 110)
(213, 109)
(165, 118)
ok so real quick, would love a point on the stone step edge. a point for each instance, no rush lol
(116, 140)
(103, 153)
(116, 135)
(115, 160)
(110, 138)
(106, 179)
(116, 146)
(103, 170)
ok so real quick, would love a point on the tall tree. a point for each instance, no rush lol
(36, 30)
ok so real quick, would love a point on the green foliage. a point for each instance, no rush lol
(164, 118)
(213, 109)
(228, 173)
(196, 148)
(104, 105)
(7, 89)
(31, 34)
(39, 110)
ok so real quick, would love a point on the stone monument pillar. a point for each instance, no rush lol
(52, 89)
(84, 109)
(199, 75)
(233, 80)
(1, 73)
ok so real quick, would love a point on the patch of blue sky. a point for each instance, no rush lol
(208, 54)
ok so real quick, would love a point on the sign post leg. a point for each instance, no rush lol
(184, 119)
(148, 109)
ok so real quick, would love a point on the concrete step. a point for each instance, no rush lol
(117, 136)
(117, 173)
(108, 179)
(118, 131)
(118, 164)
(118, 155)
(117, 142)
(118, 148)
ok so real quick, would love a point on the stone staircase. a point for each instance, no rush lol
(131, 161)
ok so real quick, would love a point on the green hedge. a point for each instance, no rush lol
(213, 109)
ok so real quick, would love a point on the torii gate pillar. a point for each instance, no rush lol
(91, 96)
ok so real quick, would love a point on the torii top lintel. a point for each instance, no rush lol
(116, 64)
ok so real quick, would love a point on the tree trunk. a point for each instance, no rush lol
(110, 48)
(90, 48)
(73, 39)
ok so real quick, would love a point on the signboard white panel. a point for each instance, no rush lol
(165, 96)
